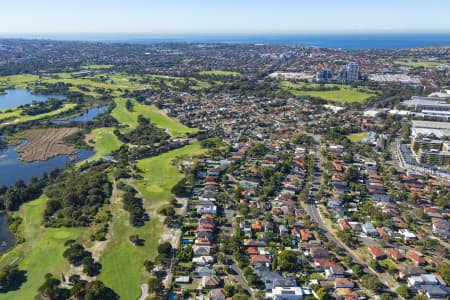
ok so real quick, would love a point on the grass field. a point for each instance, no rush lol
(159, 176)
(97, 67)
(358, 137)
(122, 115)
(420, 63)
(345, 93)
(16, 81)
(105, 142)
(41, 253)
(160, 119)
(157, 117)
(18, 118)
(219, 73)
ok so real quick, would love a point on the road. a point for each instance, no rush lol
(227, 230)
(313, 212)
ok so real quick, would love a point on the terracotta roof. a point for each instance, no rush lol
(260, 259)
(375, 251)
(416, 258)
(394, 254)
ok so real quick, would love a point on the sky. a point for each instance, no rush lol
(224, 16)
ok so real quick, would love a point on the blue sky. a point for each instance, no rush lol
(224, 16)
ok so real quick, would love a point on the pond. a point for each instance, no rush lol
(13, 169)
(7, 239)
(15, 98)
(87, 116)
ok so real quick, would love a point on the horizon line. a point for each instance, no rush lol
(387, 32)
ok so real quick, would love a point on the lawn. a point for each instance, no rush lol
(122, 115)
(97, 67)
(41, 253)
(420, 63)
(219, 73)
(159, 175)
(16, 81)
(345, 93)
(105, 142)
(358, 137)
(16, 113)
(160, 119)
(157, 117)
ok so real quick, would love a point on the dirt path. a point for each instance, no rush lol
(144, 291)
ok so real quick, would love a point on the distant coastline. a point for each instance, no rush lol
(334, 41)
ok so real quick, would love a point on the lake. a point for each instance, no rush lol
(13, 169)
(87, 116)
(7, 239)
(18, 97)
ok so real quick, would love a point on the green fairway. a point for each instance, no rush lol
(16, 81)
(344, 93)
(358, 137)
(159, 176)
(105, 142)
(41, 253)
(160, 119)
(157, 117)
(122, 115)
(219, 73)
(16, 117)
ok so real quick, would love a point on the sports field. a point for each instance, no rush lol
(358, 137)
(344, 93)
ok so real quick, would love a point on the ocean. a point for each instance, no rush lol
(336, 41)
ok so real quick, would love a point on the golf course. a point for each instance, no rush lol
(159, 175)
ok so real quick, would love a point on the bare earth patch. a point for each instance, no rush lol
(43, 144)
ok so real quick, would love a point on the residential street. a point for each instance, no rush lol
(315, 215)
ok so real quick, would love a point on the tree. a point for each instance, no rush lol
(404, 291)
(348, 260)
(96, 290)
(50, 287)
(240, 297)
(89, 266)
(371, 282)
(386, 296)
(374, 265)
(287, 260)
(420, 297)
(149, 265)
(75, 253)
(321, 293)
(357, 271)
(135, 239)
(444, 272)
(230, 289)
(155, 285)
(9, 277)
(165, 248)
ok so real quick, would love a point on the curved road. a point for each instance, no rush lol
(313, 212)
